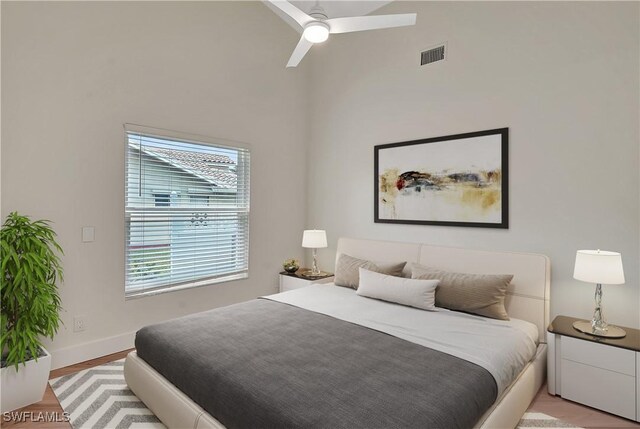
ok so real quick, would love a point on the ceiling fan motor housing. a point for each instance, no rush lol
(318, 13)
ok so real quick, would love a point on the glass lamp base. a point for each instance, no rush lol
(611, 332)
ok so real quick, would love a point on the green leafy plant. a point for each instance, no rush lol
(30, 304)
(291, 265)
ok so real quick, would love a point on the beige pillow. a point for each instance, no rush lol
(481, 294)
(347, 270)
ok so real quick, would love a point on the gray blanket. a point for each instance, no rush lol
(264, 364)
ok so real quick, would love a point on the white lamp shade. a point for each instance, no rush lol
(314, 238)
(599, 266)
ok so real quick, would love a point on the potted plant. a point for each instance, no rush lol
(30, 307)
(291, 265)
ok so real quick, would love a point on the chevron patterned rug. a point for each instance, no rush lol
(540, 420)
(99, 398)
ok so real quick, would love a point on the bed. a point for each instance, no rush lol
(527, 303)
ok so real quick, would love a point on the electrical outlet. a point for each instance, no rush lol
(79, 324)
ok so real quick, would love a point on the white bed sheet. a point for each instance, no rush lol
(501, 347)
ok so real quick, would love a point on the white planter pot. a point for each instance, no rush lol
(27, 385)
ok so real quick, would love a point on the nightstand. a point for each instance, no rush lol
(297, 280)
(599, 372)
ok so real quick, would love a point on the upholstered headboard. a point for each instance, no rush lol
(527, 295)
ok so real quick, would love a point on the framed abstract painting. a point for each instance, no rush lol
(457, 180)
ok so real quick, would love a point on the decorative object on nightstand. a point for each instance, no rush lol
(291, 265)
(314, 239)
(599, 266)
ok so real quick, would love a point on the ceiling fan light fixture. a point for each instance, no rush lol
(316, 32)
(317, 26)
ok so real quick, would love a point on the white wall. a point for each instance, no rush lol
(564, 77)
(74, 72)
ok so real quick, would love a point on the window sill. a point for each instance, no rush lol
(183, 286)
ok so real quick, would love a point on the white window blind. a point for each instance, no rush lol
(187, 213)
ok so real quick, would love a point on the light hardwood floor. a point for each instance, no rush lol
(568, 411)
(576, 414)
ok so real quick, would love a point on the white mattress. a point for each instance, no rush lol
(501, 347)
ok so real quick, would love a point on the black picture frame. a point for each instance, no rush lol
(476, 188)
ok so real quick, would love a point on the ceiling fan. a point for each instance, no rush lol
(316, 26)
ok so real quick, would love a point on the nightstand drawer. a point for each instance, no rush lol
(606, 390)
(599, 355)
(290, 283)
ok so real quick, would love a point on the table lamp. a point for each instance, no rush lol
(314, 239)
(599, 266)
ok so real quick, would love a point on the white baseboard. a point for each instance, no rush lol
(82, 352)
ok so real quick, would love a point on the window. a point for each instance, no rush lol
(186, 210)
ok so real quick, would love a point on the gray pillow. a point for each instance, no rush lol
(347, 270)
(481, 294)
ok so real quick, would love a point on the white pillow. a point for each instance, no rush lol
(411, 292)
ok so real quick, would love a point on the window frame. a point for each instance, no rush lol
(198, 140)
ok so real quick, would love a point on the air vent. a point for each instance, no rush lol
(432, 55)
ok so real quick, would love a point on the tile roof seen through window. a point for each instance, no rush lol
(214, 168)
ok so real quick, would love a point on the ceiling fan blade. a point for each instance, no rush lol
(374, 22)
(299, 16)
(299, 52)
